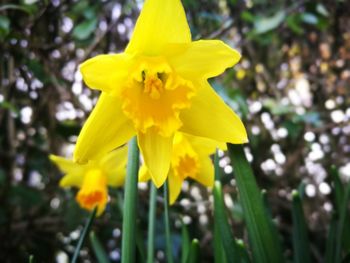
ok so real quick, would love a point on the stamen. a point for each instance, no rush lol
(154, 96)
(187, 166)
(153, 86)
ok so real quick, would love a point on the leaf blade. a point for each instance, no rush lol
(265, 244)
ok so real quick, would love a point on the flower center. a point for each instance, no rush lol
(154, 95)
(93, 191)
(153, 85)
(187, 166)
(185, 160)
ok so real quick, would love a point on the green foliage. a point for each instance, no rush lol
(43, 42)
(185, 244)
(300, 236)
(223, 235)
(4, 26)
(85, 29)
(266, 24)
(193, 256)
(265, 244)
(100, 253)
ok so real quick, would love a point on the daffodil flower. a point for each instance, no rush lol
(190, 159)
(94, 177)
(157, 87)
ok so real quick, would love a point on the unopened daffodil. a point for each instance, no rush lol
(157, 87)
(190, 159)
(94, 177)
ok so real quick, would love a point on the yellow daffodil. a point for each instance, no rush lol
(94, 177)
(190, 159)
(157, 87)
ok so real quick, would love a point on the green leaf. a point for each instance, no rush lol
(294, 23)
(193, 257)
(9, 106)
(221, 225)
(151, 223)
(309, 18)
(310, 117)
(263, 239)
(130, 199)
(22, 8)
(321, 9)
(185, 244)
(265, 24)
(338, 187)
(339, 195)
(243, 252)
(25, 196)
(85, 29)
(219, 252)
(277, 108)
(294, 129)
(83, 235)
(4, 26)
(300, 236)
(98, 249)
(331, 240)
(247, 16)
(38, 70)
(30, 2)
(343, 213)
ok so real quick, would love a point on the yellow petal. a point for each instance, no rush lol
(160, 22)
(204, 145)
(210, 117)
(144, 174)
(74, 172)
(114, 165)
(202, 59)
(71, 179)
(106, 129)
(206, 172)
(106, 72)
(156, 151)
(175, 183)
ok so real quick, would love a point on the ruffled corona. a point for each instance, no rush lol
(185, 161)
(154, 96)
(94, 177)
(93, 191)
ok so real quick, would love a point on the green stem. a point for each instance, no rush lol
(167, 224)
(218, 250)
(151, 223)
(83, 235)
(130, 196)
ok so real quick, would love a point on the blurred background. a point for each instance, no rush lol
(291, 89)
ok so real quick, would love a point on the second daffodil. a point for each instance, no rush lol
(190, 159)
(94, 177)
(157, 87)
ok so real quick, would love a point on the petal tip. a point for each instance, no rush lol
(158, 183)
(63, 183)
